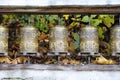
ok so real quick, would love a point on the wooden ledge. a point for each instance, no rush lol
(60, 68)
(103, 9)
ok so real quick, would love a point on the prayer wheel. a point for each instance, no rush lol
(58, 39)
(89, 39)
(115, 39)
(3, 39)
(29, 40)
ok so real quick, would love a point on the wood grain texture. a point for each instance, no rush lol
(104, 9)
(60, 68)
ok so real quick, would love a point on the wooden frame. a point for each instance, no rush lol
(104, 9)
(60, 68)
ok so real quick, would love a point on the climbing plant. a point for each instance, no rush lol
(72, 21)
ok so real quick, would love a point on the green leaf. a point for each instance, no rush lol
(77, 40)
(92, 16)
(46, 28)
(85, 19)
(100, 33)
(52, 17)
(78, 15)
(104, 29)
(41, 27)
(95, 22)
(108, 21)
(102, 15)
(74, 24)
(62, 22)
(76, 19)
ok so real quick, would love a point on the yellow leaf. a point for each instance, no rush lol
(66, 16)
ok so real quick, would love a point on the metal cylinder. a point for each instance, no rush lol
(115, 39)
(58, 39)
(89, 39)
(3, 39)
(29, 39)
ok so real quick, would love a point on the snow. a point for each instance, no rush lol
(58, 2)
(59, 75)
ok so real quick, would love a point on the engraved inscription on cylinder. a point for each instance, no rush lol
(29, 40)
(58, 39)
(115, 39)
(3, 39)
(89, 39)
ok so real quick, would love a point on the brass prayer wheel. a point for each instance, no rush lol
(89, 39)
(29, 39)
(3, 39)
(115, 39)
(58, 39)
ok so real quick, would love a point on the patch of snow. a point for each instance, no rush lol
(57, 2)
(60, 75)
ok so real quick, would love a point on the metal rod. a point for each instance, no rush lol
(89, 19)
(28, 59)
(59, 17)
(28, 19)
(89, 59)
(119, 19)
(58, 58)
(119, 59)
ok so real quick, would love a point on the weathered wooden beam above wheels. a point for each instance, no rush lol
(104, 9)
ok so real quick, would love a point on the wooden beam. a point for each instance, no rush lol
(109, 9)
(60, 68)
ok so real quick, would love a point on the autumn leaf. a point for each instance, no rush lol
(66, 16)
(43, 36)
(73, 24)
